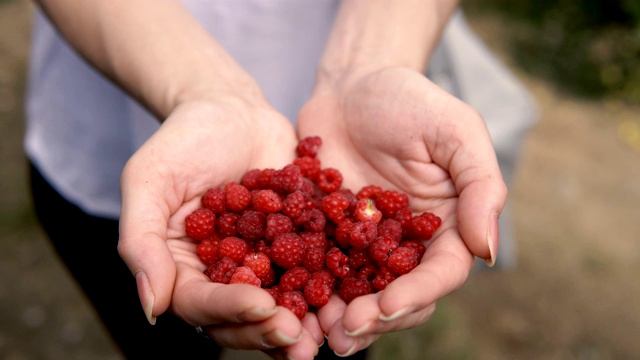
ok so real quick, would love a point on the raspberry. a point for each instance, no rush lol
(381, 248)
(343, 233)
(294, 279)
(221, 271)
(251, 179)
(238, 197)
(287, 250)
(227, 224)
(369, 192)
(274, 292)
(252, 225)
(362, 233)
(402, 260)
(200, 223)
(329, 180)
(317, 292)
(269, 279)
(259, 263)
(293, 205)
(416, 245)
(383, 277)
(424, 225)
(264, 180)
(233, 248)
(390, 202)
(367, 272)
(313, 259)
(315, 240)
(214, 200)
(351, 288)
(334, 206)
(366, 210)
(391, 228)
(358, 257)
(267, 201)
(208, 252)
(308, 146)
(326, 276)
(307, 187)
(309, 167)
(337, 262)
(294, 301)
(244, 275)
(277, 224)
(351, 198)
(312, 220)
(287, 180)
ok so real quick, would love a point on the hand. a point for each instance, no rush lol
(395, 129)
(199, 146)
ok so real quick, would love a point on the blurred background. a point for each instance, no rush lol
(574, 293)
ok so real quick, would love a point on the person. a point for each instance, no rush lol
(134, 109)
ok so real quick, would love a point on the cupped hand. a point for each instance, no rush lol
(199, 146)
(396, 129)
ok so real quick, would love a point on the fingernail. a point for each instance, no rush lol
(492, 239)
(287, 340)
(362, 329)
(352, 350)
(257, 314)
(266, 343)
(398, 314)
(146, 296)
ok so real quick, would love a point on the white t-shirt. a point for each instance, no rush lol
(81, 129)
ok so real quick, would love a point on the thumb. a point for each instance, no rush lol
(142, 244)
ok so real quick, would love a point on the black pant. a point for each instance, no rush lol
(88, 247)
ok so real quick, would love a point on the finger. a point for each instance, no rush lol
(305, 348)
(444, 268)
(330, 313)
(143, 228)
(311, 323)
(271, 333)
(344, 345)
(470, 158)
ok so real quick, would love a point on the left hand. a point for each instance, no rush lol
(396, 129)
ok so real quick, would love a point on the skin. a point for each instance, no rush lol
(381, 121)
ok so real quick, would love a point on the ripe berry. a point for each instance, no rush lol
(233, 248)
(308, 146)
(294, 279)
(214, 200)
(309, 167)
(317, 292)
(424, 225)
(200, 223)
(250, 180)
(293, 205)
(362, 233)
(287, 250)
(208, 252)
(390, 202)
(402, 260)
(369, 192)
(313, 259)
(334, 206)
(391, 228)
(244, 275)
(222, 270)
(337, 262)
(366, 210)
(381, 248)
(227, 224)
(311, 220)
(352, 287)
(316, 240)
(287, 180)
(294, 301)
(329, 180)
(382, 278)
(252, 225)
(259, 263)
(238, 197)
(267, 201)
(277, 224)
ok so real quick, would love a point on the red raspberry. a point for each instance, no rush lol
(315, 240)
(352, 287)
(369, 192)
(334, 206)
(267, 201)
(264, 180)
(366, 210)
(391, 228)
(251, 179)
(309, 167)
(402, 260)
(317, 292)
(233, 248)
(329, 180)
(221, 271)
(313, 259)
(238, 197)
(200, 224)
(293, 205)
(287, 180)
(259, 263)
(383, 277)
(312, 220)
(367, 272)
(277, 224)
(343, 233)
(308, 188)
(244, 275)
(326, 276)
(294, 279)
(351, 198)
(381, 248)
(227, 224)
(424, 225)
(390, 202)
(287, 250)
(252, 225)
(269, 279)
(416, 245)
(308, 146)
(214, 200)
(274, 292)
(363, 233)
(358, 257)
(208, 251)
(337, 262)
(294, 301)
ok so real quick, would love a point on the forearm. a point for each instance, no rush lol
(372, 34)
(155, 50)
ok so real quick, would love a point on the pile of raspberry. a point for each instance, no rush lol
(298, 234)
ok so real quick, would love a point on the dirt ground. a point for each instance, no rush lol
(575, 293)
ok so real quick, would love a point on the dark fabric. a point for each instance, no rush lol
(88, 247)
